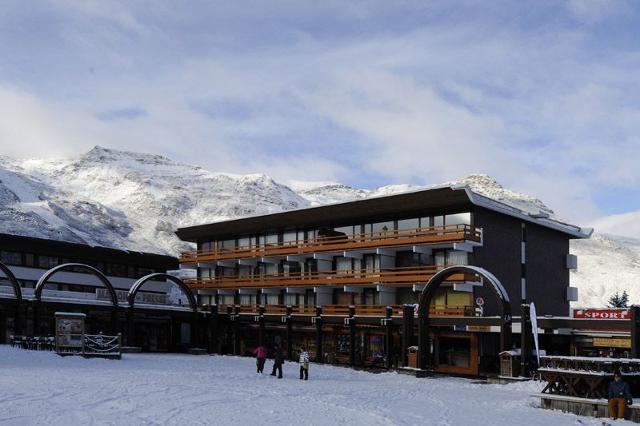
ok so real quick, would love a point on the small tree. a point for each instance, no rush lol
(619, 300)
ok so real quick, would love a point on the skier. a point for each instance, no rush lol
(278, 360)
(619, 395)
(303, 360)
(261, 355)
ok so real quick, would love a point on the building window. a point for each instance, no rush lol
(293, 299)
(458, 219)
(456, 257)
(382, 228)
(226, 299)
(344, 265)
(248, 299)
(407, 224)
(244, 243)
(271, 299)
(228, 244)
(290, 237)
(11, 257)
(47, 262)
(29, 259)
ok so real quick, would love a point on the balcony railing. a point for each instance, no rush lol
(396, 277)
(384, 239)
(345, 310)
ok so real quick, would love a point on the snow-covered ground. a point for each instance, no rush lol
(40, 388)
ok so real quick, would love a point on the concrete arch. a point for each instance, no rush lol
(51, 272)
(17, 291)
(427, 295)
(131, 298)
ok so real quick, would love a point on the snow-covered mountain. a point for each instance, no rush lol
(137, 201)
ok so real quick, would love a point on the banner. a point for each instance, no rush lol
(534, 328)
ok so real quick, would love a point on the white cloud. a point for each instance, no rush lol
(627, 224)
(403, 93)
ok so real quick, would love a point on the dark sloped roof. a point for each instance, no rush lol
(374, 209)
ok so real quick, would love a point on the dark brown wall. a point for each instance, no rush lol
(500, 255)
(546, 272)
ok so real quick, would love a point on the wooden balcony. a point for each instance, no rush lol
(395, 277)
(345, 310)
(386, 239)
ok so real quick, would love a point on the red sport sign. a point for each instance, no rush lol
(602, 313)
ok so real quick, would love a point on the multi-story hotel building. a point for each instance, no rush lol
(351, 266)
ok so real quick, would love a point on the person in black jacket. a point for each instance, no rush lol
(278, 360)
(619, 396)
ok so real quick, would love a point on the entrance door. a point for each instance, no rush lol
(456, 353)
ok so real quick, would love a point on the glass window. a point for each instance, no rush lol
(47, 262)
(228, 244)
(244, 271)
(271, 239)
(344, 265)
(439, 258)
(458, 219)
(29, 259)
(371, 263)
(268, 269)
(438, 221)
(425, 222)
(206, 246)
(290, 237)
(226, 299)
(247, 299)
(382, 227)
(459, 298)
(11, 257)
(244, 242)
(311, 298)
(272, 299)
(347, 230)
(291, 268)
(291, 299)
(405, 224)
(456, 257)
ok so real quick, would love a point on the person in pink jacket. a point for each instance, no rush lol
(261, 356)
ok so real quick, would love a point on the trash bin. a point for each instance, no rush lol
(412, 356)
(510, 363)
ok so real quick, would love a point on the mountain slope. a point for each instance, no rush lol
(137, 201)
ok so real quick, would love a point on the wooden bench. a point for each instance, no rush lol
(584, 406)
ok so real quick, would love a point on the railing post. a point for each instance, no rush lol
(352, 335)
(318, 321)
(407, 332)
(289, 332)
(389, 350)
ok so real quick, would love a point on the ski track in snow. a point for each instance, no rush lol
(40, 388)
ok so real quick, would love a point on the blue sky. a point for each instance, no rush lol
(543, 96)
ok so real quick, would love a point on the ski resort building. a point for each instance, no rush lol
(119, 291)
(433, 277)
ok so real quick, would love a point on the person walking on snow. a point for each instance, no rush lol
(619, 395)
(303, 360)
(278, 360)
(261, 356)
